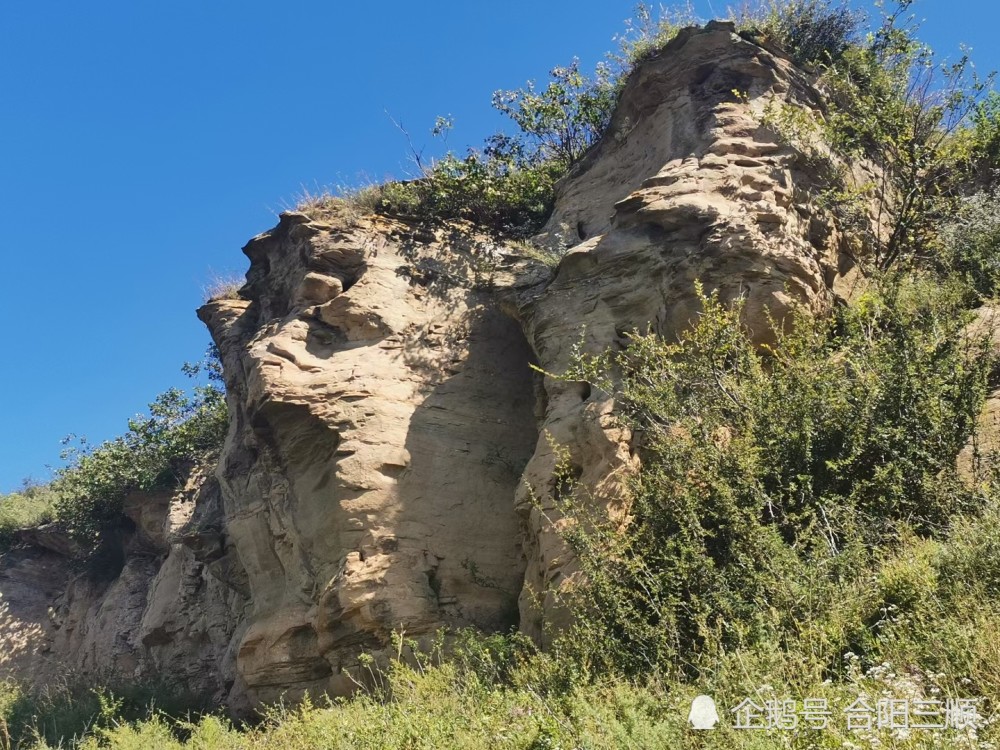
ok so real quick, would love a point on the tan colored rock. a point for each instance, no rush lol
(371, 478)
(686, 187)
(378, 438)
(53, 537)
(389, 463)
(31, 579)
(169, 614)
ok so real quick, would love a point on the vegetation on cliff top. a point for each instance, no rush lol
(931, 129)
(86, 496)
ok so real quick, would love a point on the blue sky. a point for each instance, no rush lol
(142, 144)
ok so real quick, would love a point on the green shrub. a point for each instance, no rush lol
(153, 454)
(931, 130)
(984, 143)
(508, 188)
(925, 126)
(970, 243)
(812, 32)
(562, 121)
(771, 479)
(33, 506)
(87, 495)
(970, 561)
(500, 194)
(63, 713)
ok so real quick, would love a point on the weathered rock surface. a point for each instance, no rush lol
(383, 409)
(687, 187)
(170, 612)
(390, 454)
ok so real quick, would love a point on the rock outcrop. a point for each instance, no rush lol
(390, 455)
(382, 412)
(169, 613)
(687, 186)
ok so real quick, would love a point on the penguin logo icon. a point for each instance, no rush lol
(703, 713)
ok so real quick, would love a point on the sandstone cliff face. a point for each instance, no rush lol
(383, 406)
(389, 461)
(170, 613)
(382, 411)
(687, 187)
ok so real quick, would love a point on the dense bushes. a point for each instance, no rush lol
(500, 193)
(153, 454)
(929, 129)
(970, 243)
(69, 709)
(770, 476)
(811, 32)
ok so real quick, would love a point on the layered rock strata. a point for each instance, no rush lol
(389, 463)
(382, 412)
(169, 612)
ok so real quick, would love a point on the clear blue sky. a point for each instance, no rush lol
(143, 143)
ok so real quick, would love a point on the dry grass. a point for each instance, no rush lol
(340, 201)
(527, 249)
(32, 506)
(220, 287)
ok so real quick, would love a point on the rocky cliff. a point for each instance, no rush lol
(389, 463)
(170, 613)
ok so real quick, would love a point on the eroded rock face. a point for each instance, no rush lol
(170, 613)
(383, 409)
(686, 187)
(390, 459)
